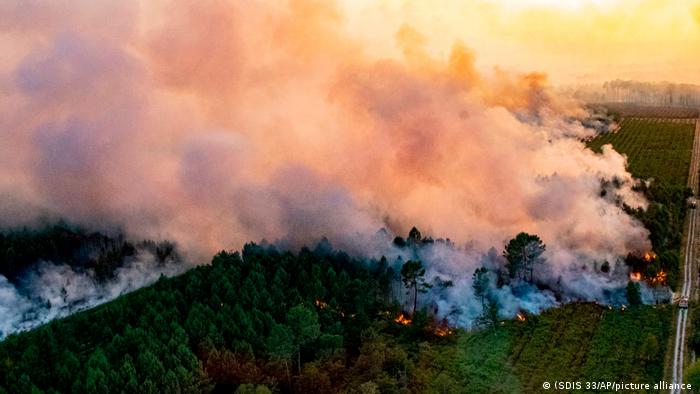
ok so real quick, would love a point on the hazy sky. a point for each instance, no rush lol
(571, 40)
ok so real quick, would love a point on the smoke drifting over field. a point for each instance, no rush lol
(215, 123)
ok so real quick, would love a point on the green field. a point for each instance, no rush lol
(655, 149)
(577, 342)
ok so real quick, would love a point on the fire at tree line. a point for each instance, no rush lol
(315, 321)
(260, 315)
(322, 321)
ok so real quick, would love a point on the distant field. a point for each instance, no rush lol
(659, 149)
(643, 111)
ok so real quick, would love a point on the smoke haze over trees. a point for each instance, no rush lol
(138, 139)
(660, 94)
(111, 121)
(316, 321)
(58, 269)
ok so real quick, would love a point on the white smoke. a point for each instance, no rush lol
(562, 278)
(53, 290)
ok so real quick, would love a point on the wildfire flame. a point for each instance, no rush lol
(442, 331)
(401, 319)
(635, 276)
(321, 304)
(649, 256)
(520, 317)
(659, 279)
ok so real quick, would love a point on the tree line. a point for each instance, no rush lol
(65, 243)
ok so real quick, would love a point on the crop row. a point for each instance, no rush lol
(655, 149)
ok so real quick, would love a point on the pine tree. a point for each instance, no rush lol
(413, 277)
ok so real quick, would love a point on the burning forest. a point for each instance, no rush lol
(232, 153)
(386, 180)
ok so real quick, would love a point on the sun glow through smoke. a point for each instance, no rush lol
(573, 40)
(563, 4)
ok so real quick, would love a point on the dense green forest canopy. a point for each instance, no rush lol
(258, 316)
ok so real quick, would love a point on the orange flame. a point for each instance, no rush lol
(321, 304)
(442, 331)
(649, 256)
(659, 279)
(401, 319)
(635, 276)
(520, 317)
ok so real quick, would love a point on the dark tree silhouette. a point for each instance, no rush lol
(634, 296)
(480, 284)
(413, 277)
(522, 253)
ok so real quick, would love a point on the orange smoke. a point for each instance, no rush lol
(216, 123)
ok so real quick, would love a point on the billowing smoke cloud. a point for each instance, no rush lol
(215, 123)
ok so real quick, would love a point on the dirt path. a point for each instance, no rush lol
(680, 356)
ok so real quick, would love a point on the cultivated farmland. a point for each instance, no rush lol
(581, 341)
(659, 149)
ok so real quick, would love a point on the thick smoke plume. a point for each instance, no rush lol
(214, 123)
